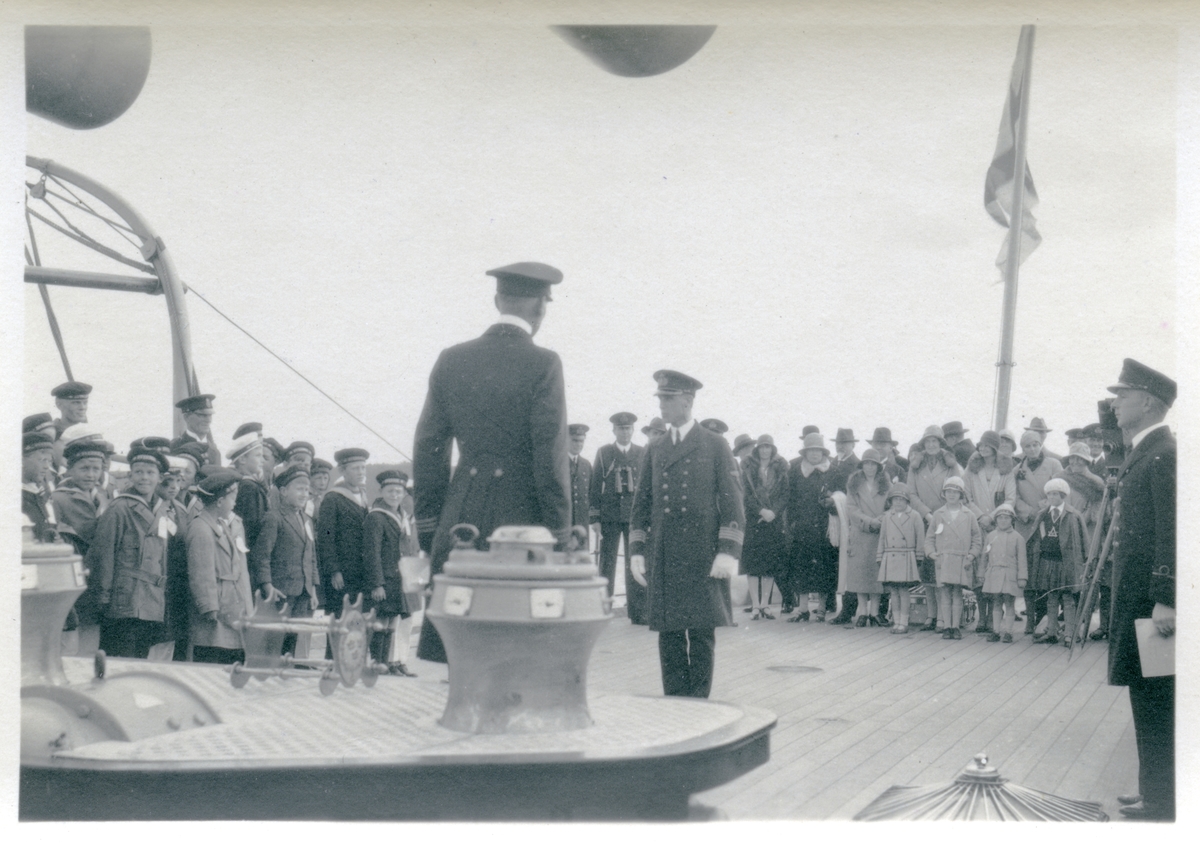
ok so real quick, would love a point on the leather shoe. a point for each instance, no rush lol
(1129, 799)
(1142, 812)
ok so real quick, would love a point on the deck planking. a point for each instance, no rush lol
(888, 710)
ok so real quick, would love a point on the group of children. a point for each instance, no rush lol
(997, 567)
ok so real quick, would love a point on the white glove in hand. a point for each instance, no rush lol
(637, 567)
(724, 567)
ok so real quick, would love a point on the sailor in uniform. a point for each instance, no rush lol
(581, 475)
(503, 399)
(71, 399)
(614, 478)
(37, 456)
(197, 425)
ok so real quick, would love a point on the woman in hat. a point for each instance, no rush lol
(866, 500)
(1031, 473)
(953, 542)
(1056, 550)
(814, 560)
(901, 538)
(765, 491)
(217, 571)
(1087, 489)
(930, 463)
(387, 536)
(1006, 572)
(990, 483)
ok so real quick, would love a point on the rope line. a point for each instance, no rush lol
(305, 378)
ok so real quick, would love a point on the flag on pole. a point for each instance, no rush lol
(998, 186)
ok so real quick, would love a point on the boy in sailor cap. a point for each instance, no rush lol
(36, 458)
(688, 509)
(283, 560)
(387, 536)
(246, 458)
(217, 572)
(128, 562)
(340, 532)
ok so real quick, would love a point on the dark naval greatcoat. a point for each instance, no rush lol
(503, 399)
(581, 482)
(689, 504)
(1143, 555)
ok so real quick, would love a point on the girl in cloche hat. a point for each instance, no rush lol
(1005, 572)
(953, 542)
(901, 536)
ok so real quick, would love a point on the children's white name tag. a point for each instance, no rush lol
(988, 549)
(166, 528)
(240, 543)
(940, 528)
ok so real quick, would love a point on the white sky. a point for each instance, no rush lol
(794, 216)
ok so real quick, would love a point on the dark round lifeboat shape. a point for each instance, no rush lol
(84, 77)
(637, 50)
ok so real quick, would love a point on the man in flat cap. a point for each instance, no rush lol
(844, 460)
(340, 533)
(127, 561)
(657, 429)
(614, 478)
(197, 425)
(503, 399)
(581, 474)
(1143, 579)
(688, 508)
(958, 441)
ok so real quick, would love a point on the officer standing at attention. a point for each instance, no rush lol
(1143, 579)
(197, 423)
(581, 475)
(504, 400)
(690, 501)
(614, 478)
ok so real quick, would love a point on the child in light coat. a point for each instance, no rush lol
(901, 537)
(953, 543)
(1006, 572)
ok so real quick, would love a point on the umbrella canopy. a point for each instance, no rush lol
(978, 794)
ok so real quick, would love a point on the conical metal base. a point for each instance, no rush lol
(978, 794)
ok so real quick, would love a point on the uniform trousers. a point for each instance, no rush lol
(610, 534)
(219, 656)
(1153, 702)
(686, 657)
(299, 606)
(130, 637)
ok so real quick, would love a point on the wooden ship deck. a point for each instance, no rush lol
(861, 710)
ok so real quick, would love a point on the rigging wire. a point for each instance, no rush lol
(305, 378)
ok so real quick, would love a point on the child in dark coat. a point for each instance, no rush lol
(387, 536)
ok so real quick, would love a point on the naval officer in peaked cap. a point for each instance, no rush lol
(1143, 579)
(688, 509)
(197, 424)
(503, 400)
(614, 478)
(581, 474)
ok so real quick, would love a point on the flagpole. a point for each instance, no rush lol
(1013, 264)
